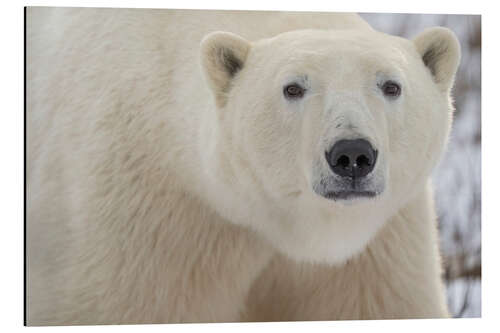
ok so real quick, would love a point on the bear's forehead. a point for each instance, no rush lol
(324, 45)
(325, 38)
(330, 49)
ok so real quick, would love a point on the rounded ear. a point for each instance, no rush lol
(440, 52)
(223, 55)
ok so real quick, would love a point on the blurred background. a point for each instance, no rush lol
(458, 183)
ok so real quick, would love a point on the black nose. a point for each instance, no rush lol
(352, 158)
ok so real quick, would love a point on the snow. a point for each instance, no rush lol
(468, 292)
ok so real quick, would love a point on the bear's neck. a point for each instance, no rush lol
(211, 258)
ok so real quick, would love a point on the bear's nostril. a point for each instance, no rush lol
(344, 161)
(362, 161)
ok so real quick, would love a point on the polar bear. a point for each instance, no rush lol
(217, 166)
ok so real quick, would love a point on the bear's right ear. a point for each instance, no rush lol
(223, 54)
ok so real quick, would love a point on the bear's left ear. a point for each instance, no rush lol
(223, 55)
(440, 52)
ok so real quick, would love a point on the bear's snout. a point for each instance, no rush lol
(351, 158)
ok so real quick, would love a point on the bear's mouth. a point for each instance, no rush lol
(349, 194)
(347, 189)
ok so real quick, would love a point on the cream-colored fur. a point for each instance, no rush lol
(168, 180)
(368, 286)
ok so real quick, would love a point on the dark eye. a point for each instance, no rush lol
(293, 91)
(391, 89)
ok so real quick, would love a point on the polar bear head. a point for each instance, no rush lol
(318, 137)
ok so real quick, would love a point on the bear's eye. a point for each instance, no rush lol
(391, 89)
(293, 91)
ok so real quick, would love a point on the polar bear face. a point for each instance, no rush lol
(324, 135)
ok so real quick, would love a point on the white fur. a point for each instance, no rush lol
(162, 188)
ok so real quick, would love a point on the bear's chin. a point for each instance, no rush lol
(328, 231)
(329, 246)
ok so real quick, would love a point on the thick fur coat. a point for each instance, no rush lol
(169, 179)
